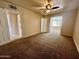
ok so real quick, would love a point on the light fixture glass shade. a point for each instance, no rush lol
(48, 6)
(48, 11)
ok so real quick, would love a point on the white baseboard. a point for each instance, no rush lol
(6, 42)
(76, 45)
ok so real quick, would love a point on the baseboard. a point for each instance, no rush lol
(6, 42)
(66, 36)
(76, 45)
(9, 41)
(31, 35)
(34, 35)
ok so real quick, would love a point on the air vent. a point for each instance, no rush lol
(13, 7)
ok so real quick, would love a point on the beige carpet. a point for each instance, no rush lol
(41, 46)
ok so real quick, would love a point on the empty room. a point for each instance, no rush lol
(39, 29)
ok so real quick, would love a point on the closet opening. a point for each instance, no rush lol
(14, 24)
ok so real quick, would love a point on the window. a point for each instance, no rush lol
(56, 21)
(55, 24)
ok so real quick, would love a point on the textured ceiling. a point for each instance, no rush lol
(35, 5)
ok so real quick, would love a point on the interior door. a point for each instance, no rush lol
(4, 33)
(1, 32)
(14, 24)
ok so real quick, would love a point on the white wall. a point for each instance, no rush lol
(68, 22)
(76, 31)
(30, 20)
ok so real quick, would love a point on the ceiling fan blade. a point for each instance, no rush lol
(35, 3)
(48, 1)
(42, 9)
(39, 8)
(55, 7)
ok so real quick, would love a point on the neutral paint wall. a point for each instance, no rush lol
(68, 22)
(30, 20)
(76, 31)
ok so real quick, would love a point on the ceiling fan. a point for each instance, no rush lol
(49, 7)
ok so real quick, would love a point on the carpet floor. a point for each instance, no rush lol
(41, 46)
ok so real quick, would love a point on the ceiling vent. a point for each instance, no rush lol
(13, 7)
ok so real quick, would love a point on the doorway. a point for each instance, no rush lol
(55, 24)
(43, 25)
(14, 24)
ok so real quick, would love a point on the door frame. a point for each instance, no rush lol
(19, 22)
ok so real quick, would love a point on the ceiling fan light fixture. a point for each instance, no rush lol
(48, 6)
(48, 11)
